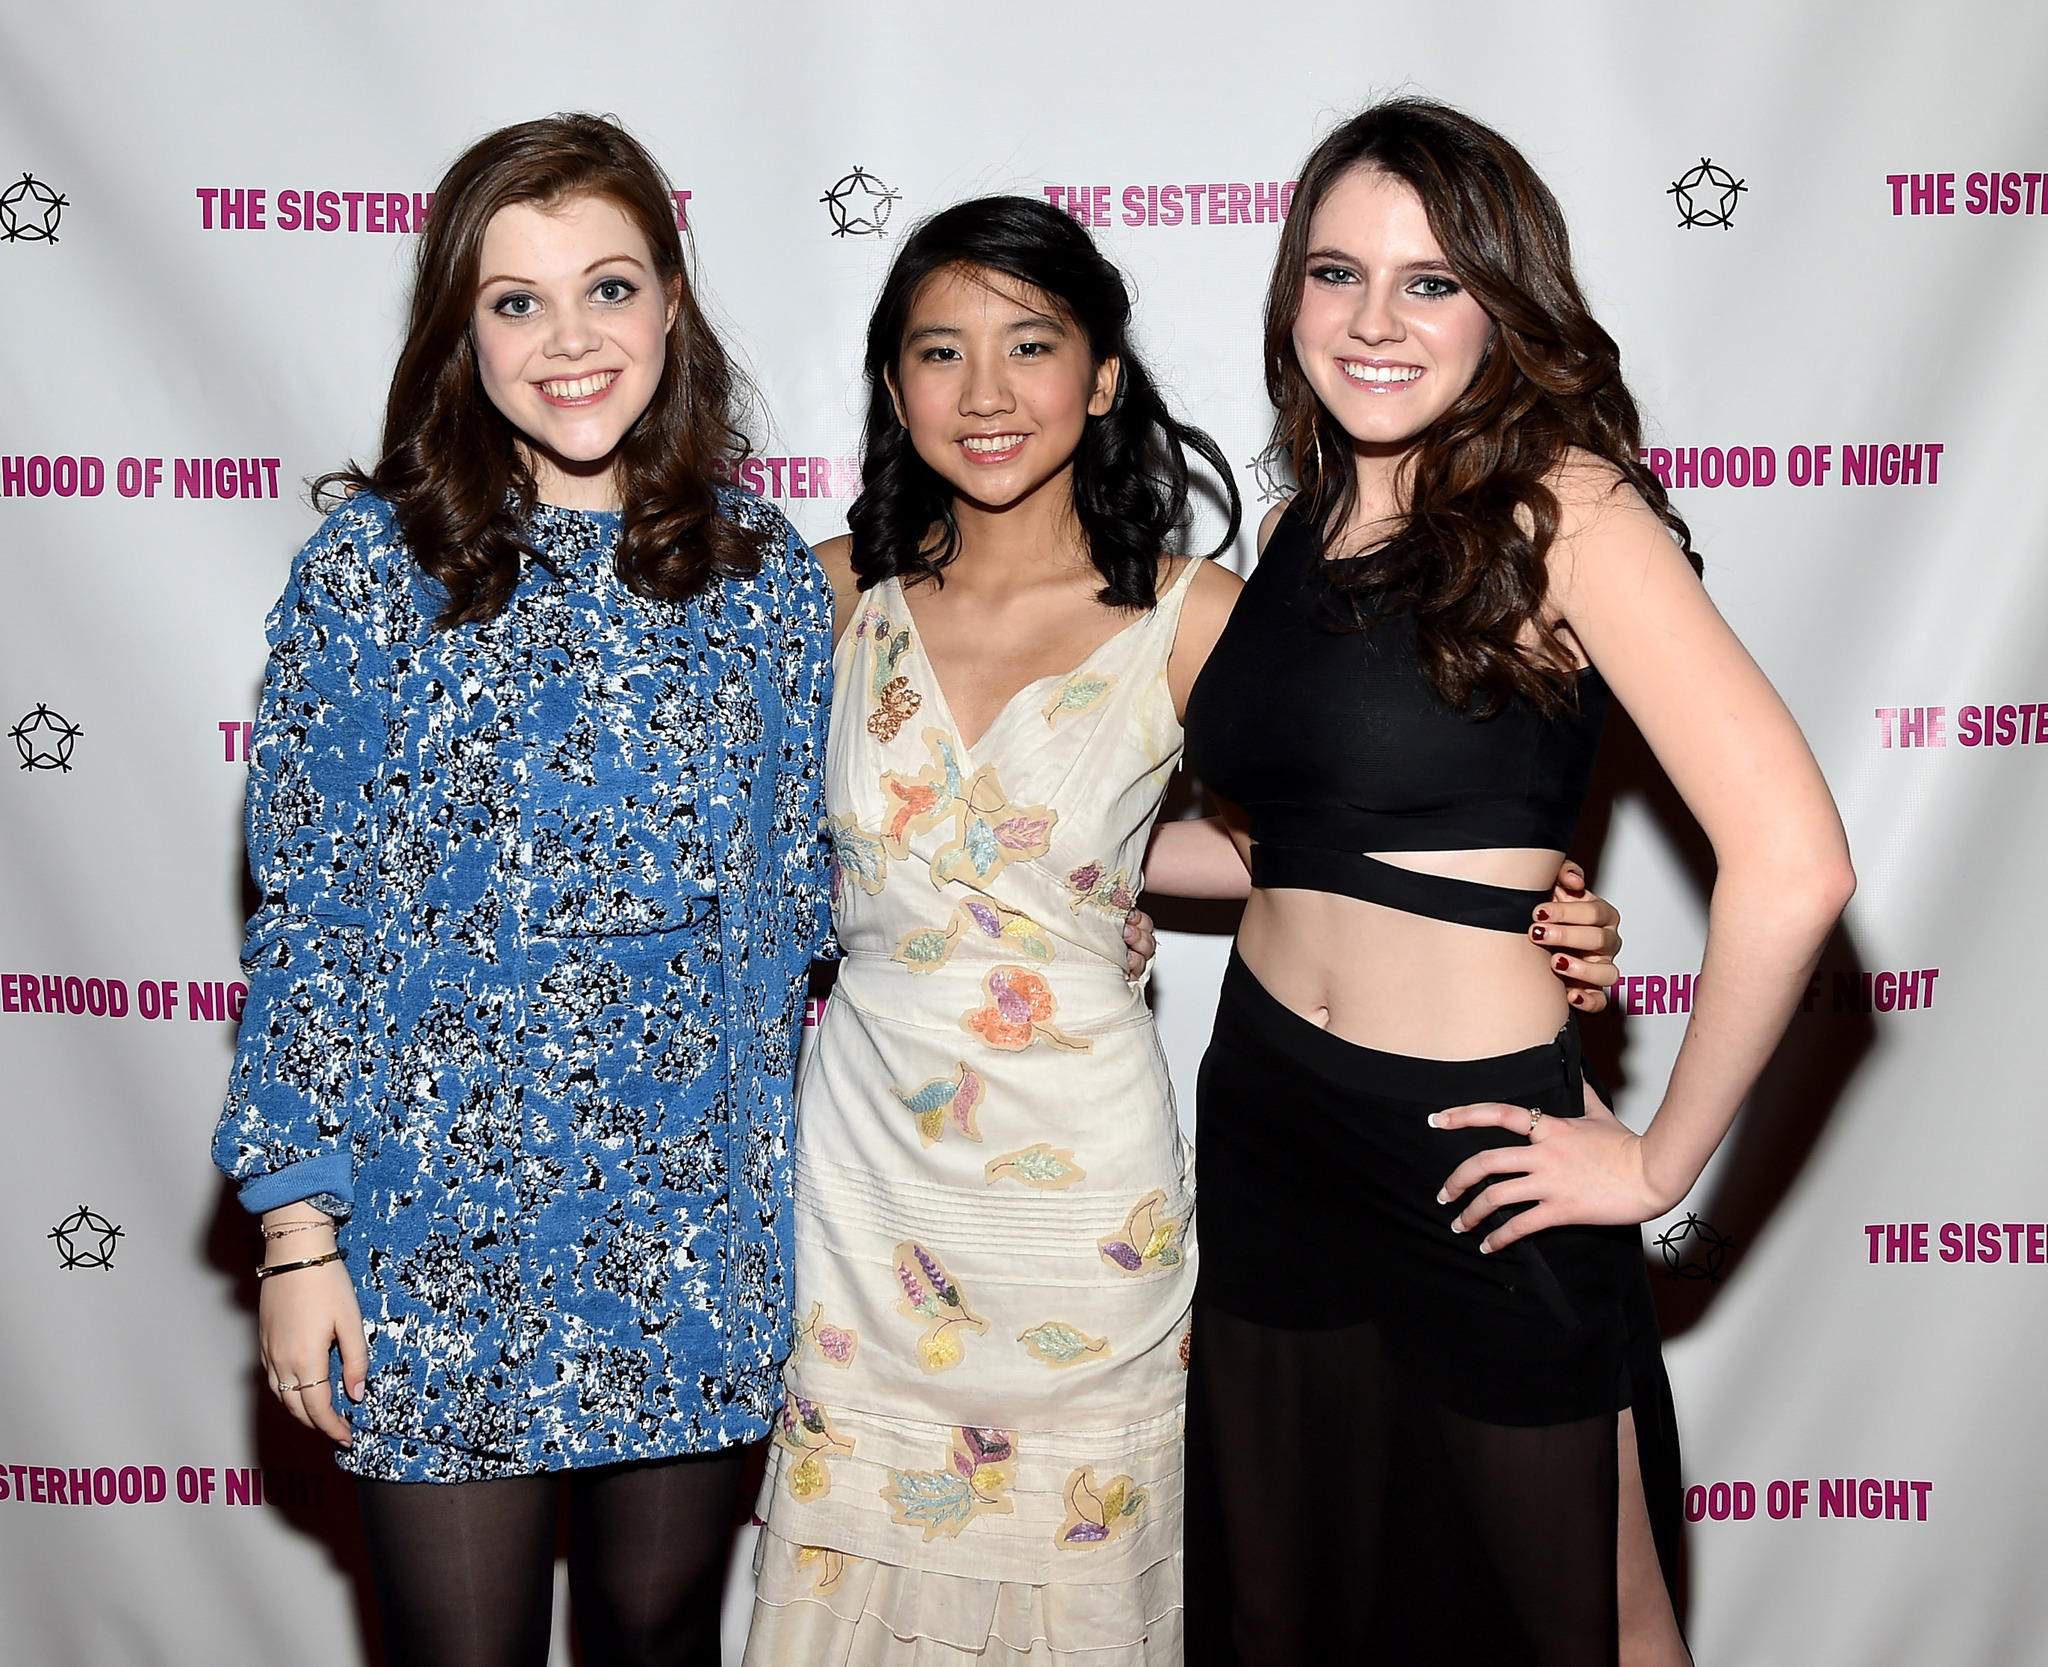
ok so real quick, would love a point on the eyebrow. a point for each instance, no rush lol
(1353, 260)
(608, 260)
(1031, 321)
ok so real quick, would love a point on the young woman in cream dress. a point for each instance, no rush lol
(979, 1456)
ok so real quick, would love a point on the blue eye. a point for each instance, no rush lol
(1434, 287)
(615, 290)
(1333, 275)
(515, 305)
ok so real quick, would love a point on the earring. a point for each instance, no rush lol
(1318, 436)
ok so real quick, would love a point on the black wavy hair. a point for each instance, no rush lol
(1130, 472)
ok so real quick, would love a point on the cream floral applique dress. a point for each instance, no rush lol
(979, 1452)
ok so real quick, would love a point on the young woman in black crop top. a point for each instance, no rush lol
(1428, 1419)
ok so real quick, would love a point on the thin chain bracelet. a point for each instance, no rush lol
(292, 1227)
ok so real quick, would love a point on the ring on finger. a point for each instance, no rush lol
(311, 1383)
(1535, 1116)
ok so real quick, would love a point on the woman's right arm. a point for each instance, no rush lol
(304, 1051)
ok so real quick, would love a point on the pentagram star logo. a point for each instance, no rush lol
(1706, 195)
(1266, 477)
(860, 205)
(1694, 1249)
(30, 212)
(86, 1239)
(44, 739)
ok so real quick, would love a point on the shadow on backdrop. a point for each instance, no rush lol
(301, 1481)
(1782, 1121)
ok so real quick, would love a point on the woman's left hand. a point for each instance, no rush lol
(1578, 927)
(1578, 1171)
(1140, 945)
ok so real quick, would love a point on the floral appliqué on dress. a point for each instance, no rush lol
(803, 1428)
(835, 1344)
(934, 1102)
(989, 833)
(859, 853)
(831, 1566)
(1050, 1167)
(1096, 1515)
(1014, 1016)
(975, 1483)
(1094, 887)
(1150, 1239)
(928, 948)
(896, 702)
(932, 1294)
(1079, 692)
(1059, 1344)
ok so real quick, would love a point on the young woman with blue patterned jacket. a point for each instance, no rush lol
(534, 809)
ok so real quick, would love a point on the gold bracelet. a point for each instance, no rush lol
(310, 1262)
(290, 1228)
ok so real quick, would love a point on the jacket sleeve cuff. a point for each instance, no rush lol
(330, 1173)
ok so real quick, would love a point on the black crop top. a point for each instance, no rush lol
(1335, 744)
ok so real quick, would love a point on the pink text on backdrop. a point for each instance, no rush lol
(1874, 464)
(2010, 1242)
(1987, 193)
(1670, 994)
(148, 1484)
(1206, 203)
(57, 994)
(2019, 725)
(1877, 992)
(794, 477)
(248, 208)
(1877, 1498)
(139, 477)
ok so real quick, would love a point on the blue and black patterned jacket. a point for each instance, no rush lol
(538, 899)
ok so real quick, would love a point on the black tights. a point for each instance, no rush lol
(465, 1571)
(1335, 1519)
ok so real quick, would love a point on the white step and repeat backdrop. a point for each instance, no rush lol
(1820, 233)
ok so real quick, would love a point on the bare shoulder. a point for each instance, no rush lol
(1270, 520)
(1591, 491)
(1602, 517)
(1612, 550)
(835, 555)
(1213, 589)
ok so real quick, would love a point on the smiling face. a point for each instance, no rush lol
(996, 384)
(571, 330)
(1387, 335)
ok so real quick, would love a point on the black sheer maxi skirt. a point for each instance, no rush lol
(1400, 1450)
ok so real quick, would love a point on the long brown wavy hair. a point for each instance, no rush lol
(1469, 554)
(451, 467)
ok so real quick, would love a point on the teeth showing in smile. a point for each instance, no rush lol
(582, 388)
(992, 442)
(1381, 373)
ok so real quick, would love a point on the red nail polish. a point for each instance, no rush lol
(1562, 963)
(1542, 914)
(1536, 932)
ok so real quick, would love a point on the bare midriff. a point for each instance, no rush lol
(1404, 983)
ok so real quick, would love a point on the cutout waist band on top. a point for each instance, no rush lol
(1434, 896)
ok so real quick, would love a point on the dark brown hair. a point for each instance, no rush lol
(1130, 472)
(450, 467)
(1468, 558)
